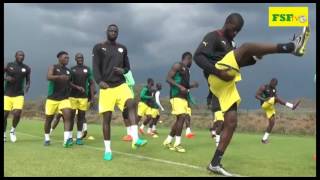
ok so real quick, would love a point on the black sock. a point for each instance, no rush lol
(217, 158)
(285, 48)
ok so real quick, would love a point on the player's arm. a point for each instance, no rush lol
(174, 69)
(96, 64)
(143, 94)
(74, 86)
(91, 85)
(52, 77)
(204, 54)
(28, 80)
(8, 78)
(259, 94)
(157, 96)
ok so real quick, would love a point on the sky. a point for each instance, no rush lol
(156, 35)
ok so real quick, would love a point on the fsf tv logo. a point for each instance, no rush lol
(288, 16)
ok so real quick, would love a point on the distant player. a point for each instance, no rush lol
(82, 80)
(59, 77)
(267, 94)
(179, 79)
(146, 103)
(152, 130)
(16, 84)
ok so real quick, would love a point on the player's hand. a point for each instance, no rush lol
(224, 75)
(103, 85)
(10, 79)
(81, 89)
(118, 70)
(64, 77)
(183, 89)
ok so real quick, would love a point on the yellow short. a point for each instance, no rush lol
(143, 109)
(179, 106)
(218, 116)
(53, 106)
(153, 112)
(226, 92)
(189, 111)
(110, 97)
(268, 107)
(79, 103)
(12, 103)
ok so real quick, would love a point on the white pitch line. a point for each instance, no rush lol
(141, 157)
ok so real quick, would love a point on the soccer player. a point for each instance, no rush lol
(17, 82)
(189, 134)
(179, 79)
(110, 61)
(226, 73)
(59, 77)
(83, 81)
(146, 103)
(267, 94)
(130, 81)
(152, 130)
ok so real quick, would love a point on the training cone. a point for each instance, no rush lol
(314, 157)
(91, 138)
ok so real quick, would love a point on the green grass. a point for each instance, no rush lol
(246, 156)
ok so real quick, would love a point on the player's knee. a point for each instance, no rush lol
(16, 113)
(245, 45)
(130, 104)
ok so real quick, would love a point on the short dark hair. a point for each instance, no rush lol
(274, 79)
(186, 54)
(235, 16)
(20, 51)
(61, 53)
(78, 54)
(149, 80)
(113, 25)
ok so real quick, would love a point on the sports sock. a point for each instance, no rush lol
(169, 139)
(134, 133)
(46, 137)
(154, 127)
(79, 134)
(107, 145)
(85, 127)
(265, 137)
(149, 130)
(70, 134)
(142, 126)
(12, 129)
(66, 135)
(289, 105)
(128, 130)
(178, 141)
(188, 131)
(217, 139)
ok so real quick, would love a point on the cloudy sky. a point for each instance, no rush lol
(156, 35)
